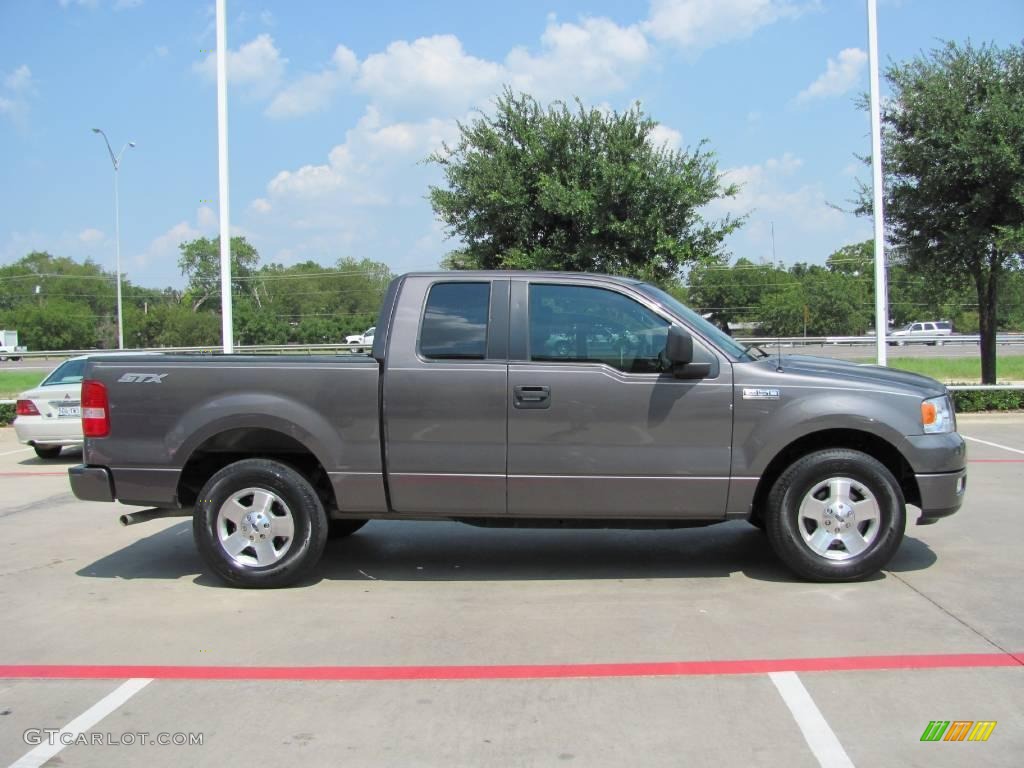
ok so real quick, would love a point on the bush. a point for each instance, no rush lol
(6, 414)
(973, 401)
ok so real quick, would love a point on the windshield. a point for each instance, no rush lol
(722, 340)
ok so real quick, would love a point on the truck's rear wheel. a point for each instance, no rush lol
(47, 451)
(836, 515)
(259, 523)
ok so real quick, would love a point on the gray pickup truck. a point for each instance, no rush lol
(530, 400)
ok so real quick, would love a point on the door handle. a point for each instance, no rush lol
(531, 397)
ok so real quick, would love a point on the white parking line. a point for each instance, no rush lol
(20, 450)
(817, 733)
(994, 445)
(82, 723)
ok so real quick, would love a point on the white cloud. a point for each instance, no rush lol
(596, 55)
(80, 3)
(162, 250)
(266, 18)
(161, 51)
(261, 205)
(842, 74)
(18, 88)
(433, 72)
(19, 80)
(90, 235)
(662, 135)
(256, 65)
(312, 92)
(701, 24)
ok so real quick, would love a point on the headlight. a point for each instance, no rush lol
(937, 415)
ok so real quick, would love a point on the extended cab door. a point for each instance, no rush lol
(444, 386)
(595, 428)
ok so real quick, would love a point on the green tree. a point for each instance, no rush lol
(953, 150)
(734, 294)
(583, 190)
(200, 264)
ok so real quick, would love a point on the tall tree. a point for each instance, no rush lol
(953, 151)
(577, 189)
(200, 264)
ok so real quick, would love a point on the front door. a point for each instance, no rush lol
(596, 429)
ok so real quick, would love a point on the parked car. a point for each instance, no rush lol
(651, 417)
(364, 339)
(48, 417)
(930, 332)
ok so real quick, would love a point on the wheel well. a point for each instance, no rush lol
(872, 445)
(247, 443)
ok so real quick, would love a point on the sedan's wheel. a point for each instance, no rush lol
(47, 451)
(259, 523)
(836, 515)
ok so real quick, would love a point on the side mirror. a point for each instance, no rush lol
(679, 347)
(679, 355)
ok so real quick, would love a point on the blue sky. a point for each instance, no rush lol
(334, 105)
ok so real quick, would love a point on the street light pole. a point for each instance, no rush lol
(881, 286)
(116, 160)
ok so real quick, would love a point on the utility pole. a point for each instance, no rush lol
(881, 286)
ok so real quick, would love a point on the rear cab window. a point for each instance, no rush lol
(454, 324)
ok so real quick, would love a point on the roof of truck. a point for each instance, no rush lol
(520, 273)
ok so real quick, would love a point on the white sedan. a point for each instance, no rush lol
(49, 417)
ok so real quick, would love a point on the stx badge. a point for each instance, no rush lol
(142, 378)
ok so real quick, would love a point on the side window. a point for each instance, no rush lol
(916, 327)
(574, 323)
(455, 321)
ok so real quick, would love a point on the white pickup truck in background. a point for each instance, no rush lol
(9, 349)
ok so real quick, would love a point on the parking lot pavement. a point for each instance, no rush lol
(79, 590)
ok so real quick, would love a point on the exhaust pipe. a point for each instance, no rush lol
(146, 515)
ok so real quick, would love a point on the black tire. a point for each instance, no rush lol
(309, 523)
(800, 479)
(47, 452)
(339, 529)
(757, 521)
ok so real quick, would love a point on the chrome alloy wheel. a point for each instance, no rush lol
(255, 527)
(839, 518)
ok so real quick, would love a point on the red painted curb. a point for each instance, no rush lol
(516, 671)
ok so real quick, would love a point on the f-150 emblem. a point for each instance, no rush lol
(760, 393)
(142, 378)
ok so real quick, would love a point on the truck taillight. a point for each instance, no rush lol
(95, 412)
(26, 408)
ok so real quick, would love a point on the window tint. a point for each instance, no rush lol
(916, 327)
(944, 325)
(455, 321)
(573, 323)
(70, 372)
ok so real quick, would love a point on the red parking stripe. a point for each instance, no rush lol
(517, 671)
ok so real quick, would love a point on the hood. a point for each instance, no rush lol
(845, 371)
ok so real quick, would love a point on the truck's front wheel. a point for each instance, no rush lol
(259, 523)
(836, 515)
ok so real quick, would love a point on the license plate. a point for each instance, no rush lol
(69, 411)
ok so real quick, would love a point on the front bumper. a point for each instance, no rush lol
(942, 494)
(91, 483)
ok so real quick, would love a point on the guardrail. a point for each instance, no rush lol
(961, 339)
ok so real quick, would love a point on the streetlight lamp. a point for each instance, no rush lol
(116, 160)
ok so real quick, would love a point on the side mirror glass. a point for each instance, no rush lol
(679, 347)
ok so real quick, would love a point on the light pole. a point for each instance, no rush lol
(116, 160)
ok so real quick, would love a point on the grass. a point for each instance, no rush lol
(13, 383)
(958, 369)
